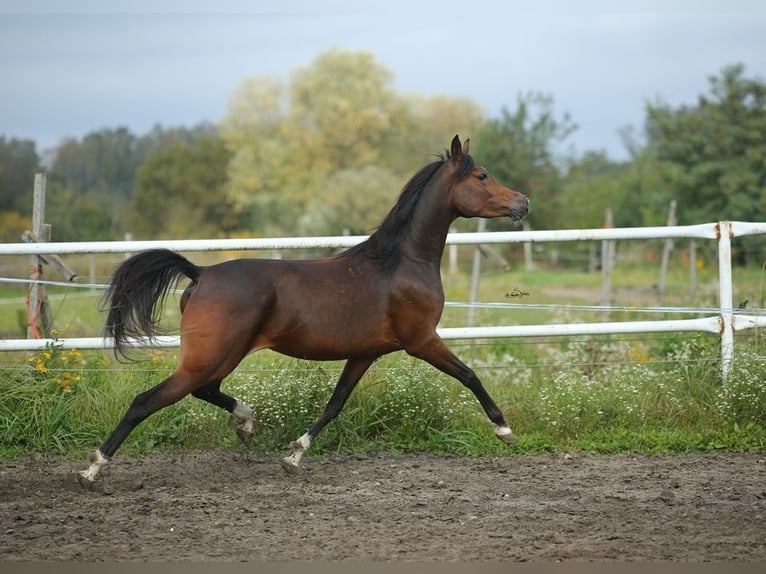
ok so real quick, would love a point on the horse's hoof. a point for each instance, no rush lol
(506, 436)
(84, 481)
(289, 466)
(245, 437)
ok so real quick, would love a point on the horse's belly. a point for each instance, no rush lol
(334, 343)
(325, 352)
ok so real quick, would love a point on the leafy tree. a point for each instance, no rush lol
(268, 166)
(287, 139)
(92, 180)
(102, 163)
(292, 143)
(424, 126)
(83, 217)
(12, 225)
(591, 185)
(105, 161)
(636, 192)
(352, 201)
(519, 147)
(181, 192)
(716, 149)
(18, 164)
(343, 104)
(160, 137)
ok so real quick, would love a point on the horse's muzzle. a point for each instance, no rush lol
(520, 208)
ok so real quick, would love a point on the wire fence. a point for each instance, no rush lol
(496, 363)
(723, 319)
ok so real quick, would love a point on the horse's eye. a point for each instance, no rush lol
(482, 176)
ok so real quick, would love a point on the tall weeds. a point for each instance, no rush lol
(600, 395)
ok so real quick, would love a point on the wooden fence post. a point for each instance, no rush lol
(529, 264)
(39, 320)
(607, 259)
(693, 269)
(666, 249)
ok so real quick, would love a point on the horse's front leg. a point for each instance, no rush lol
(436, 353)
(350, 376)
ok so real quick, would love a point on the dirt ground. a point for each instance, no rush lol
(231, 505)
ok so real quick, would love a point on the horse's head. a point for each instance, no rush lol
(475, 193)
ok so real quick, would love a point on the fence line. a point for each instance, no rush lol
(726, 321)
(93, 287)
(700, 231)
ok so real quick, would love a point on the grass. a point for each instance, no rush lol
(655, 401)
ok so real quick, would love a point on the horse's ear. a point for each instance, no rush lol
(456, 149)
(466, 146)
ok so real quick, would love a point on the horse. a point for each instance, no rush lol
(380, 296)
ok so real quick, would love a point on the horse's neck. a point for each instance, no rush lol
(430, 225)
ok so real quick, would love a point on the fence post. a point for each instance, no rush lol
(529, 264)
(666, 249)
(38, 313)
(453, 263)
(726, 296)
(607, 259)
(693, 269)
(475, 274)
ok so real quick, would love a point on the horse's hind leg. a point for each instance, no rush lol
(172, 389)
(212, 394)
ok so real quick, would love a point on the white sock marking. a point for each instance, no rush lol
(97, 460)
(299, 447)
(244, 414)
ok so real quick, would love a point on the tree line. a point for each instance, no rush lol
(326, 150)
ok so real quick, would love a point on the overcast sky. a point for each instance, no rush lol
(177, 62)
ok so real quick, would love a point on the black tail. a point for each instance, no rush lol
(137, 286)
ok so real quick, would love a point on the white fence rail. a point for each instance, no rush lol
(725, 322)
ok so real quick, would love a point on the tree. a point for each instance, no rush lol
(267, 163)
(87, 217)
(181, 192)
(287, 139)
(591, 185)
(13, 224)
(519, 147)
(343, 104)
(103, 163)
(340, 115)
(352, 201)
(92, 180)
(636, 192)
(716, 149)
(18, 164)
(423, 126)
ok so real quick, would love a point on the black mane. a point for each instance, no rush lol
(384, 245)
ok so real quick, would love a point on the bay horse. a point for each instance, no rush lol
(381, 296)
